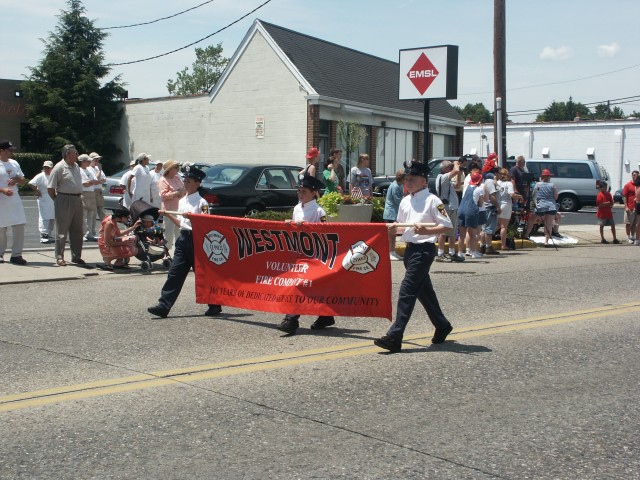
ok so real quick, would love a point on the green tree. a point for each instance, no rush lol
(604, 111)
(564, 112)
(350, 135)
(206, 71)
(477, 113)
(66, 101)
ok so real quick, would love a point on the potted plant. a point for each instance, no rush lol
(344, 208)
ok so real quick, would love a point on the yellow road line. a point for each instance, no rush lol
(270, 362)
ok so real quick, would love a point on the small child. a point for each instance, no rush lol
(152, 232)
(307, 210)
(419, 207)
(604, 201)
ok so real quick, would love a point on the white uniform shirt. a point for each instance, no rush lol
(87, 176)
(142, 187)
(193, 203)
(11, 209)
(124, 180)
(422, 207)
(309, 212)
(99, 174)
(45, 202)
(155, 191)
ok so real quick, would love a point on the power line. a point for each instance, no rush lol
(613, 101)
(559, 82)
(192, 43)
(158, 19)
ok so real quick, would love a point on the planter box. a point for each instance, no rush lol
(353, 214)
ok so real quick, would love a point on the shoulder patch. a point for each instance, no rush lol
(323, 218)
(442, 209)
(205, 209)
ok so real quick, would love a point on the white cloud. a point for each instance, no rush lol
(560, 53)
(610, 50)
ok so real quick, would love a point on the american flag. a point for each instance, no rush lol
(356, 193)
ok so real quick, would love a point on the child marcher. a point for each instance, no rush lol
(183, 258)
(307, 210)
(420, 206)
(604, 202)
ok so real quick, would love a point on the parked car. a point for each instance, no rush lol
(381, 185)
(243, 190)
(113, 192)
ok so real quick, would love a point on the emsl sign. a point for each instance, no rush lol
(429, 73)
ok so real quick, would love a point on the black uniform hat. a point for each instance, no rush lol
(193, 172)
(416, 168)
(310, 182)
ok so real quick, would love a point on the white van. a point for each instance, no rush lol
(577, 181)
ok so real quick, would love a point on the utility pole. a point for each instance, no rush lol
(499, 81)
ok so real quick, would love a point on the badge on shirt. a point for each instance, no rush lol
(442, 210)
(205, 209)
(323, 218)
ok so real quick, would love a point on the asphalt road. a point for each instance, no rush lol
(539, 380)
(582, 217)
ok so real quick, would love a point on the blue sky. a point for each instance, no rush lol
(553, 47)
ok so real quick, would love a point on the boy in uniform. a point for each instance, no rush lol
(420, 206)
(183, 258)
(307, 210)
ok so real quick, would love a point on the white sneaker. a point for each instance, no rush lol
(467, 253)
(394, 256)
(630, 241)
(476, 255)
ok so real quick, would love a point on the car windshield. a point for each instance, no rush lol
(224, 174)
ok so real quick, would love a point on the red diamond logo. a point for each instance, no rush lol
(422, 74)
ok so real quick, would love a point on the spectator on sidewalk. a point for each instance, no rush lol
(102, 179)
(171, 190)
(156, 175)
(89, 183)
(361, 176)
(46, 213)
(116, 244)
(447, 184)
(65, 187)
(11, 209)
(395, 193)
(545, 195)
(630, 216)
(140, 189)
(506, 197)
(124, 182)
(468, 215)
(636, 182)
(604, 202)
(489, 170)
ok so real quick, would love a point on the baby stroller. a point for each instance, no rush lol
(150, 236)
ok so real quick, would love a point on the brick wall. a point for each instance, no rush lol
(313, 126)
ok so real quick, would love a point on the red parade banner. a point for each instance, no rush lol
(340, 269)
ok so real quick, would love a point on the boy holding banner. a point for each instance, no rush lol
(183, 258)
(307, 210)
(428, 215)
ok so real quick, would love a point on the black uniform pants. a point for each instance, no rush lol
(181, 265)
(417, 285)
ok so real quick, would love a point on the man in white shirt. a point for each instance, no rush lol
(102, 179)
(156, 175)
(141, 188)
(46, 209)
(124, 182)
(89, 183)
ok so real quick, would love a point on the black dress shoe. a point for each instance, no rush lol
(288, 326)
(18, 261)
(213, 311)
(323, 322)
(441, 334)
(158, 311)
(388, 343)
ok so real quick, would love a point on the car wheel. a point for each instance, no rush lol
(568, 203)
(253, 210)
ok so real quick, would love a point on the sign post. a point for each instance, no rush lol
(428, 73)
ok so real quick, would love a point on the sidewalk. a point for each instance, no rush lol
(42, 267)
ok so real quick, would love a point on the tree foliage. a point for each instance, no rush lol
(206, 71)
(350, 135)
(604, 111)
(564, 112)
(66, 101)
(476, 113)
